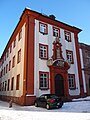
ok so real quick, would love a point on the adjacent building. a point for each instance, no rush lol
(85, 63)
(42, 56)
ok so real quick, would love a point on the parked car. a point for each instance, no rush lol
(49, 101)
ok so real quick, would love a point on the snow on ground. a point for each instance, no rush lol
(79, 109)
(86, 98)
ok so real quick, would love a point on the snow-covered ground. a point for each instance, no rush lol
(79, 109)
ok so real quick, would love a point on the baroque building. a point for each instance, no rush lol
(42, 56)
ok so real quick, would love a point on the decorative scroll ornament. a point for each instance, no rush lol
(49, 62)
(59, 63)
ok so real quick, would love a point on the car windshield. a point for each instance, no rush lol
(52, 96)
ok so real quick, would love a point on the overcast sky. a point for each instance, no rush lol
(73, 12)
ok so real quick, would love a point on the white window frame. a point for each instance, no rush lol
(43, 76)
(56, 32)
(67, 36)
(43, 51)
(71, 79)
(88, 59)
(43, 28)
(69, 56)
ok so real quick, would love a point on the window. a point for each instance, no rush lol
(5, 57)
(13, 61)
(8, 85)
(20, 35)
(6, 68)
(56, 32)
(18, 82)
(43, 51)
(14, 43)
(44, 80)
(69, 55)
(43, 28)
(5, 85)
(11, 48)
(7, 53)
(0, 86)
(67, 36)
(12, 83)
(88, 59)
(89, 83)
(19, 56)
(1, 72)
(2, 61)
(9, 65)
(71, 79)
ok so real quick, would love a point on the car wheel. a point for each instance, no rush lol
(36, 105)
(48, 106)
(57, 107)
(61, 104)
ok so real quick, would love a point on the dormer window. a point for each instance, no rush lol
(67, 36)
(43, 28)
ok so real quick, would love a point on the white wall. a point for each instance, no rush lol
(73, 68)
(40, 65)
(83, 74)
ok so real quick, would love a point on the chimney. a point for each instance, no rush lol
(52, 17)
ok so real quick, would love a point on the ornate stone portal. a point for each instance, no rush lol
(58, 67)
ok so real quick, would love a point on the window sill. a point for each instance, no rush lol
(43, 33)
(72, 88)
(43, 58)
(68, 40)
(43, 88)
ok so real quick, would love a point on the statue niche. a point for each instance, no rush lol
(57, 51)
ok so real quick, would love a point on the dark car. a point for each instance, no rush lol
(48, 101)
